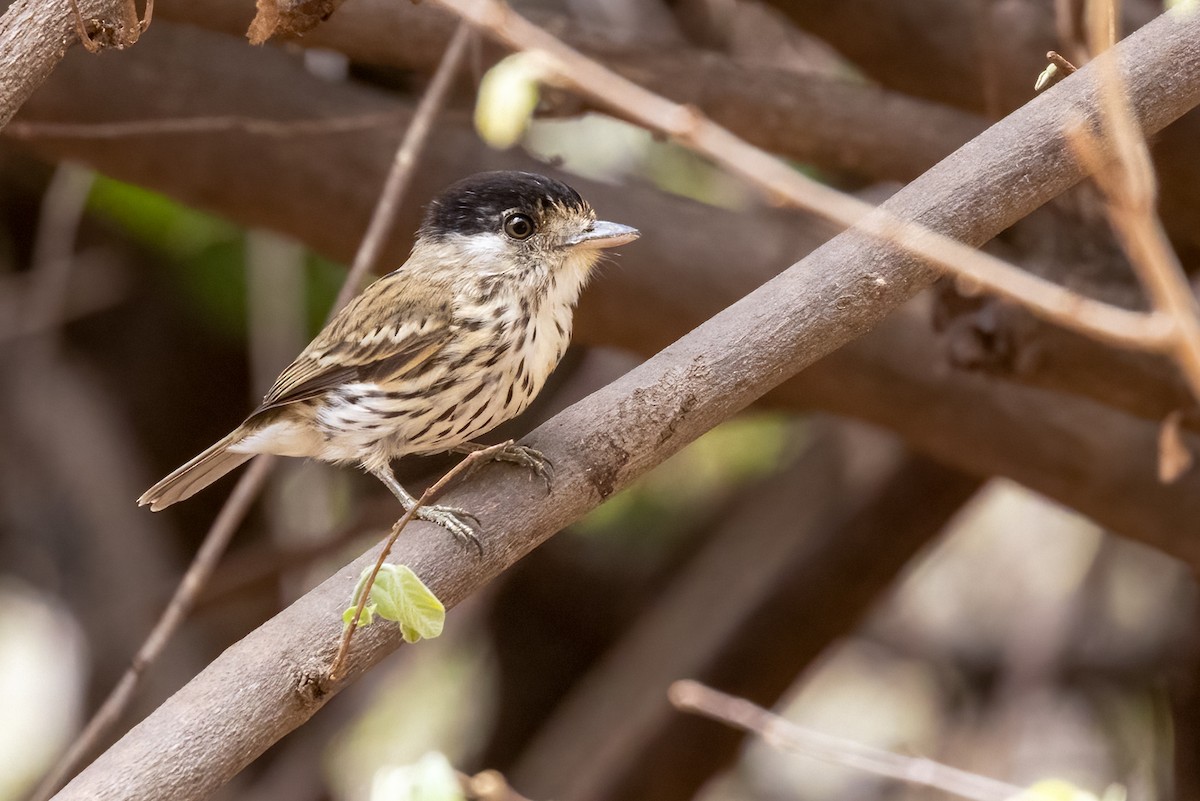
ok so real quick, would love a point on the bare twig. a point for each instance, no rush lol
(1174, 457)
(257, 126)
(1057, 69)
(473, 460)
(780, 733)
(1128, 186)
(783, 183)
(62, 210)
(102, 286)
(252, 481)
(402, 165)
(1057, 60)
(381, 222)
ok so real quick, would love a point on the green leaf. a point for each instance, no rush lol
(400, 596)
(365, 619)
(432, 778)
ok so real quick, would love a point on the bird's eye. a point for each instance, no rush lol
(518, 226)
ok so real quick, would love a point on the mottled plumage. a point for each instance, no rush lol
(458, 340)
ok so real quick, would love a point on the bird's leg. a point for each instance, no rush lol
(521, 455)
(450, 518)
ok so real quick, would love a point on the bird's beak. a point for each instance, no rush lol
(602, 234)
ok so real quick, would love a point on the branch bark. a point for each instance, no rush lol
(271, 681)
(34, 37)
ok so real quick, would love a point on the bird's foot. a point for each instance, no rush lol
(521, 455)
(530, 459)
(461, 524)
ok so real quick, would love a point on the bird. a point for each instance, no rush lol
(458, 340)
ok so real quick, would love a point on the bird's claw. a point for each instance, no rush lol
(453, 520)
(520, 455)
(527, 457)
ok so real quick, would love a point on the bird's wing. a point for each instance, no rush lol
(390, 329)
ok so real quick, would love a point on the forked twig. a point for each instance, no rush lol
(781, 182)
(472, 460)
(1129, 185)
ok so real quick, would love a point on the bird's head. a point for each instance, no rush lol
(516, 222)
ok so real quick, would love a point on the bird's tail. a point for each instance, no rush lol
(195, 475)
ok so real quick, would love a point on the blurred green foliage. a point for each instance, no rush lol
(204, 256)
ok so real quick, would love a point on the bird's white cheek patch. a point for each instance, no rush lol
(483, 247)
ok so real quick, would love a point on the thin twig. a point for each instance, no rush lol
(401, 172)
(780, 733)
(258, 126)
(473, 460)
(253, 479)
(102, 289)
(783, 183)
(63, 204)
(1055, 71)
(1057, 60)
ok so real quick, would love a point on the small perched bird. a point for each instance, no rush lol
(458, 340)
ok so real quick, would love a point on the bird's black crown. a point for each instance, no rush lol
(477, 204)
